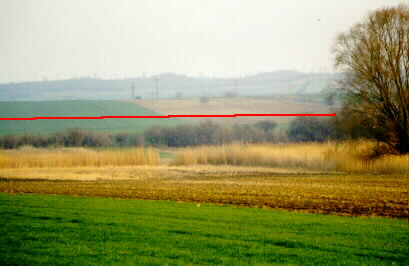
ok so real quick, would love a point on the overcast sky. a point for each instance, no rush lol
(125, 38)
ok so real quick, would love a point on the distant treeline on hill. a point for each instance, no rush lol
(205, 133)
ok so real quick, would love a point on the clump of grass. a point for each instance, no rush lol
(349, 157)
(77, 157)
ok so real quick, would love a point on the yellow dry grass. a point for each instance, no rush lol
(350, 157)
(76, 157)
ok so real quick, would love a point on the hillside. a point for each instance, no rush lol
(241, 105)
(76, 108)
(169, 86)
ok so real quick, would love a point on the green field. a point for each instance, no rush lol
(76, 108)
(78, 230)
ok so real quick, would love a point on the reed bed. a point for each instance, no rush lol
(350, 157)
(76, 157)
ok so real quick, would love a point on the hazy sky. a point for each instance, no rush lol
(121, 38)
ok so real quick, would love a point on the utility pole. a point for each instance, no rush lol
(133, 90)
(156, 87)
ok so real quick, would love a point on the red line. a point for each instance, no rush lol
(151, 116)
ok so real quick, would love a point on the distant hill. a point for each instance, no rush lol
(169, 86)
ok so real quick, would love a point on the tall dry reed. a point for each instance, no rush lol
(76, 157)
(349, 157)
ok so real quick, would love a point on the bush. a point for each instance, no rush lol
(248, 134)
(207, 132)
(305, 129)
(266, 126)
(96, 140)
(74, 137)
(156, 135)
(8, 142)
(128, 140)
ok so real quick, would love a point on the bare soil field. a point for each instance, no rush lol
(231, 106)
(348, 195)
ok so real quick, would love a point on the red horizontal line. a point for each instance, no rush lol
(151, 116)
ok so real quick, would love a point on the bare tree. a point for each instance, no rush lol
(374, 55)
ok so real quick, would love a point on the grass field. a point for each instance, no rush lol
(76, 108)
(78, 230)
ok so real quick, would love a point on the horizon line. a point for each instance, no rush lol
(150, 76)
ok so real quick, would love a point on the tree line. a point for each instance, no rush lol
(204, 133)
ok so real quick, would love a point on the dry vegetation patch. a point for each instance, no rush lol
(348, 157)
(76, 157)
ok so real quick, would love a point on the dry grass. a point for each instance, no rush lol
(350, 157)
(76, 157)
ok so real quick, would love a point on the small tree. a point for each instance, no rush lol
(374, 55)
(74, 137)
